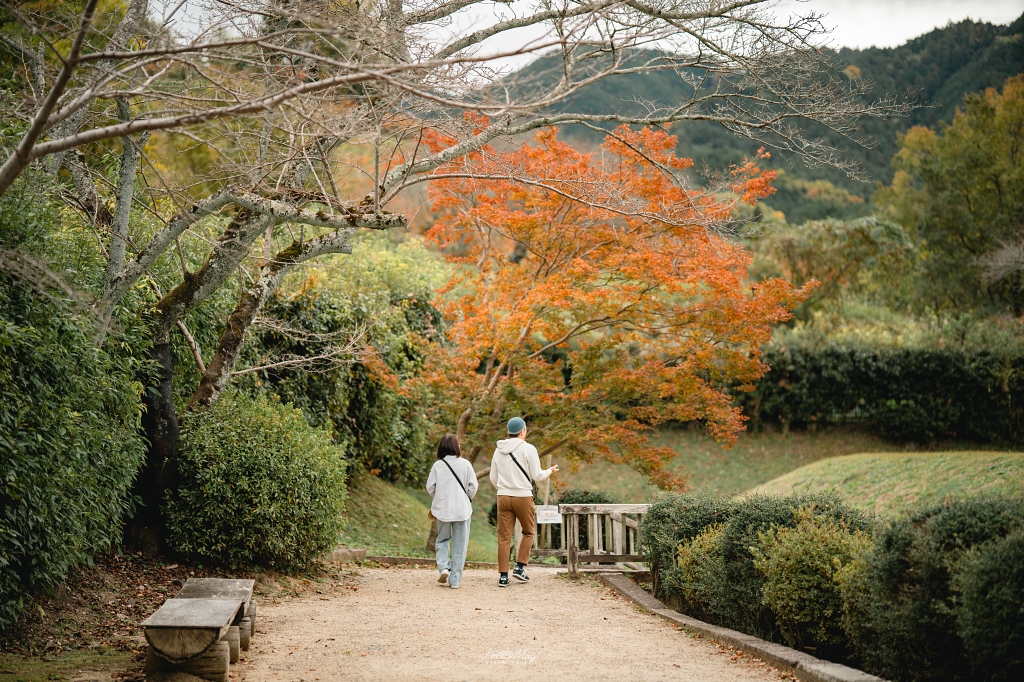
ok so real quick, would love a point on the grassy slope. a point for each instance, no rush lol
(755, 459)
(888, 483)
(392, 520)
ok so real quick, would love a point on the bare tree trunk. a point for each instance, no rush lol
(159, 472)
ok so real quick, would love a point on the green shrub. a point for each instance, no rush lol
(584, 496)
(671, 521)
(901, 604)
(69, 412)
(698, 584)
(990, 617)
(801, 566)
(257, 486)
(909, 394)
(752, 516)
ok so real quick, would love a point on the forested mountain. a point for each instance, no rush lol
(936, 70)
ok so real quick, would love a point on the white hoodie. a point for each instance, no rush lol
(506, 476)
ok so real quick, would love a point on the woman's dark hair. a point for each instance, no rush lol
(449, 445)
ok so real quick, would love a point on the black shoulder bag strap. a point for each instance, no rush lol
(532, 488)
(457, 479)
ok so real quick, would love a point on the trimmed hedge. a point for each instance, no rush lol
(674, 520)
(910, 394)
(257, 486)
(905, 612)
(70, 443)
(933, 596)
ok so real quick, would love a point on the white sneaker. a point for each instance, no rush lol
(444, 577)
(454, 587)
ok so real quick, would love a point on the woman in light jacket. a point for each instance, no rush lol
(452, 485)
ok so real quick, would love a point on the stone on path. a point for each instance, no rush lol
(400, 624)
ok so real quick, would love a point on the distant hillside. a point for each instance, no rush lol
(938, 69)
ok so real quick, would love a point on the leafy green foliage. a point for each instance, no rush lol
(844, 256)
(961, 191)
(69, 411)
(672, 520)
(803, 200)
(381, 292)
(698, 581)
(902, 604)
(911, 394)
(990, 582)
(757, 514)
(257, 486)
(931, 596)
(801, 566)
(723, 562)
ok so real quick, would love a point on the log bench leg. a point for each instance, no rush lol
(233, 639)
(212, 665)
(244, 633)
(250, 613)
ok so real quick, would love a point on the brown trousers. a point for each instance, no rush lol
(510, 509)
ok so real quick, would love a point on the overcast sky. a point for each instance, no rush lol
(887, 23)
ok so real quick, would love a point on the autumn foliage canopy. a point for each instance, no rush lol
(596, 296)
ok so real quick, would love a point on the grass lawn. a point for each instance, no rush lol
(392, 520)
(888, 483)
(755, 459)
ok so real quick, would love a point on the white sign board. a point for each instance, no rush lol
(548, 513)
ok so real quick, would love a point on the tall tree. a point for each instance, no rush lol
(961, 191)
(280, 94)
(598, 302)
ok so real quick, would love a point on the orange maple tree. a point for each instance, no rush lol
(595, 295)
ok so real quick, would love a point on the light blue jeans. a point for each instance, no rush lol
(453, 539)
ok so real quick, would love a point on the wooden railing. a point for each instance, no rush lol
(612, 536)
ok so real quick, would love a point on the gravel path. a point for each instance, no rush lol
(399, 624)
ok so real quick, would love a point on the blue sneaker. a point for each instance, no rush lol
(519, 573)
(503, 580)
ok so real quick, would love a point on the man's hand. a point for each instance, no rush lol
(554, 468)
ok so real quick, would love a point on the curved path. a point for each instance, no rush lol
(399, 624)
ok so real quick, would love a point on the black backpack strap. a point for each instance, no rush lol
(521, 468)
(457, 479)
(532, 484)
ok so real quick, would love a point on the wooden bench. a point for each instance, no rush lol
(232, 590)
(190, 636)
(199, 632)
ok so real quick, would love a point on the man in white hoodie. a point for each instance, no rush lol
(515, 467)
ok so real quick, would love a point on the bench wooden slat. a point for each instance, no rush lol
(217, 588)
(209, 614)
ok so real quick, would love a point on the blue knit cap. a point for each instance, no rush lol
(516, 426)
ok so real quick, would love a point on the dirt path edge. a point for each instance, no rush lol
(805, 667)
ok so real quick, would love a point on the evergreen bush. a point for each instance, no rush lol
(908, 394)
(670, 521)
(69, 411)
(990, 617)
(904, 614)
(381, 292)
(698, 583)
(258, 486)
(801, 566)
(757, 514)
